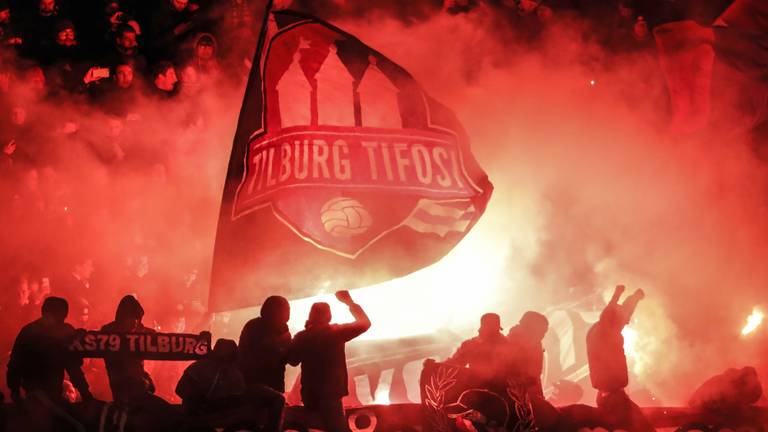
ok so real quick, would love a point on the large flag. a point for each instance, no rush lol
(343, 172)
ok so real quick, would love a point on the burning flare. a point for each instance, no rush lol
(753, 321)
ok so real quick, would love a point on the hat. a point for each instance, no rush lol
(491, 320)
(485, 402)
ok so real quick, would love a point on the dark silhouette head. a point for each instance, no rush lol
(276, 309)
(129, 313)
(319, 315)
(55, 309)
(490, 324)
(534, 324)
(225, 350)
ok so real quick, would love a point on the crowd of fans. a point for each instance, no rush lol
(101, 108)
(102, 115)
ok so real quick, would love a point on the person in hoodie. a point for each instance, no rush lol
(264, 344)
(213, 389)
(608, 364)
(129, 382)
(205, 58)
(320, 350)
(526, 352)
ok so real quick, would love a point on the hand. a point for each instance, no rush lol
(92, 75)
(620, 289)
(344, 297)
(10, 148)
(639, 293)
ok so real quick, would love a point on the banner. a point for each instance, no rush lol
(456, 400)
(149, 346)
(343, 171)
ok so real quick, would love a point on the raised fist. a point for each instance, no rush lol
(344, 297)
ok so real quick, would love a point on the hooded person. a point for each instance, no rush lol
(264, 344)
(213, 389)
(608, 363)
(526, 353)
(320, 348)
(128, 380)
(205, 56)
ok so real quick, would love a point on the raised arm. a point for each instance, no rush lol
(360, 325)
(630, 304)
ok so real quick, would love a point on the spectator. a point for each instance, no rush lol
(164, 80)
(213, 389)
(320, 350)
(264, 345)
(65, 58)
(171, 25)
(130, 383)
(40, 357)
(608, 364)
(526, 354)
(485, 354)
(126, 48)
(38, 30)
(8, 36)
(205, 59)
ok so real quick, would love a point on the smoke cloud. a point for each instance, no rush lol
(590, 191)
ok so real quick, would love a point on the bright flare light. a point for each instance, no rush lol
(753, 322)
(630, 342)
(459, 287)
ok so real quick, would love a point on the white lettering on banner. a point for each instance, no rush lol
(316, 158)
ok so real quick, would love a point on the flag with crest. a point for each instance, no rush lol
(343, 171)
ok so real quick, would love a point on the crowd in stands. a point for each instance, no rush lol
(102, 120)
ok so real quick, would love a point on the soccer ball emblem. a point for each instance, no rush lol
(345, 217)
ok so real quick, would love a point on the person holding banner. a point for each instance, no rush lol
(320, 350)
(130, 383)
(127, 378)
(39, 359)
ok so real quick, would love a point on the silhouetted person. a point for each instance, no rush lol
(264, 344)
(213, 389)
(608, 363)
(130, 383)
(128, 380)
(39, 358)
(526, 355)
(485, 353)
(320, 350)
(526, 363)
